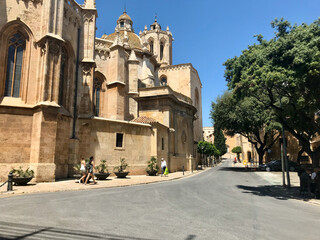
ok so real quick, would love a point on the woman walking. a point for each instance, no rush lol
(90, 167)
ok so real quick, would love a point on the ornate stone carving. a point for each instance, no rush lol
(88, 17)
(86, 71)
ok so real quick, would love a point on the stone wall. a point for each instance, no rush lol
(15, 135)
(97, 137)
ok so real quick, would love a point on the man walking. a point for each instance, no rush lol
(163, 166)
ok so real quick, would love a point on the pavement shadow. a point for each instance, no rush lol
(238, 169)
(18, 231)
(276, 191)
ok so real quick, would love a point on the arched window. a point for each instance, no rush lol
(163, 81)
(63, 77)
(151, 46)
(97, 90)
(161, 50)
(14, 65)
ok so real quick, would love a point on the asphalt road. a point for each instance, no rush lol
(220, 203)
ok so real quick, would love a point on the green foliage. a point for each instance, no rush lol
(76, 168)
(220, 141)
(236, 149)
(102, 167)
(152, 165)
(285, 68)
(123, 165)
(207, 149)
(18, 173)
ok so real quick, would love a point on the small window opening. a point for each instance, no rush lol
(151, 46)
(163, 81)
(162, 143)
(119, 141)
(161, 51)
(121, 24)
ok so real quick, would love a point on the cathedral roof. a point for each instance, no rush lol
(144, 119)
(134, 41)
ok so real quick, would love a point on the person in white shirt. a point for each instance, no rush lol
(163, 166)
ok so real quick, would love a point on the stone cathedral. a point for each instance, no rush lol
(66, 93)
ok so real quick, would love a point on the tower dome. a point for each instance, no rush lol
(124, 22)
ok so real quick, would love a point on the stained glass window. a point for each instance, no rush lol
(14, 65)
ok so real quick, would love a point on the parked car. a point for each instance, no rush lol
(275, 165)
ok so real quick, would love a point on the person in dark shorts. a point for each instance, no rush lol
(90, 167)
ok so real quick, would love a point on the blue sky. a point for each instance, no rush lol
(207, 32)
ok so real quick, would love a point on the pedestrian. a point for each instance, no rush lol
(83, 170)
(90, 167)
(163, 166)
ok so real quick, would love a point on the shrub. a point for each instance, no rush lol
(152, 165)
(123, 165)
(18, 173)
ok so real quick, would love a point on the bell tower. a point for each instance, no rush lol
(159, 42)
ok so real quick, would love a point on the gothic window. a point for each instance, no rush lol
(14, 65)
(161, 50)
(151, 46)
(63, 77)
(163, 81)
(97, 90)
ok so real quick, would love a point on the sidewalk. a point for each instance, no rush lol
(71, 185)
(275, 180)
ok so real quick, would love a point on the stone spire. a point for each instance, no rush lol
(125, 39)
(132, 56)
(117, 41)
(90, 4)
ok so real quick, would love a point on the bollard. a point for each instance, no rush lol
(10, 181)
(182, 170)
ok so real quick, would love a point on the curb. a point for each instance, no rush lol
(284, 193)
(5, 194)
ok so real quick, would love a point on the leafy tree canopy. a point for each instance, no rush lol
(285, 68)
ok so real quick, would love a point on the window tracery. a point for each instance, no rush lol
(16, 47)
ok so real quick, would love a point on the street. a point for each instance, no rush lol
(219, 203)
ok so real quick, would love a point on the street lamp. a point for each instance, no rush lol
(284, 143)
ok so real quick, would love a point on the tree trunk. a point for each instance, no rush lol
(260, 152)
(315, 158)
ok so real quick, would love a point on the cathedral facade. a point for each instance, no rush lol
(67, 94)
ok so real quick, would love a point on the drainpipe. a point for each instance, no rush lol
(76, 89)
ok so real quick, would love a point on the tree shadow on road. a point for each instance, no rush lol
(9, 230)
(24, 231)
(276, 191)
(238, 169)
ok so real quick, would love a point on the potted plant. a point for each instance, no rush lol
(152, 168)
(102, 169)
(21, 177)
(120, 170)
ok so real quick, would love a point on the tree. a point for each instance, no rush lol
(220, 141)
(207, 150)
(237, 150)
(283, 75)
(248, 118)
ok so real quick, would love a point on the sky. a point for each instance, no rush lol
(207, 32)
